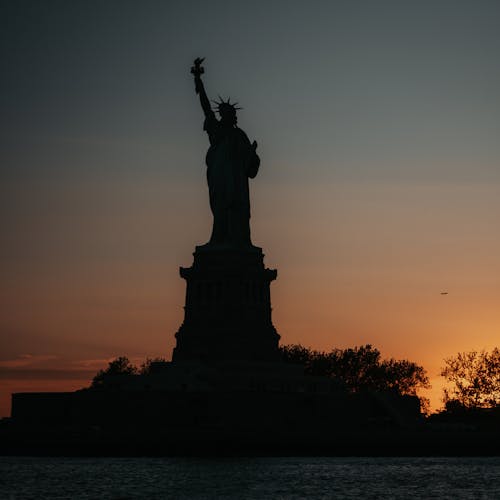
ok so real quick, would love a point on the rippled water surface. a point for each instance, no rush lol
(251, 478)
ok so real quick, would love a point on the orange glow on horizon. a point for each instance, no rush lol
(357, 264)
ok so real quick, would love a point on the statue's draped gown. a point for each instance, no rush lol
(230, 160)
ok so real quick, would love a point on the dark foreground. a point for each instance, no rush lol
(176, 423)
(426, 440)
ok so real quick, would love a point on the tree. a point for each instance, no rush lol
(314, 362)
(149, 364)
(475, 379)
(360, 368)
(403, 376)
(119, 366)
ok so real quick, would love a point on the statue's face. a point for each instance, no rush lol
(228, 116)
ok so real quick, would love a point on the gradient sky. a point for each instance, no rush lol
(378, 126)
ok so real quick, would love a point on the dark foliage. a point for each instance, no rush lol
(149, 365)
(475, 380)
(119, 366)
(360, 368)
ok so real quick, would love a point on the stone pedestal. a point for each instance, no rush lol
(228, 308)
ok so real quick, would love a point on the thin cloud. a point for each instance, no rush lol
(27, 360)
(34, 374)
(41, 367)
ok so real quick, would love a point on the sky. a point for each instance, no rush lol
(378, 128)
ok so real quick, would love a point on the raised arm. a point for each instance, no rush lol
(197, 70)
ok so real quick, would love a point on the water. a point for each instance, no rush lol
(249, 478)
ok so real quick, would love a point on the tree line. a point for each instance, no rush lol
(473, 377)
(360, 368)
(123, 366)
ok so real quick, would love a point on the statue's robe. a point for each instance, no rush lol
(230, 160)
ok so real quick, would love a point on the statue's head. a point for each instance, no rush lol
(227, 111)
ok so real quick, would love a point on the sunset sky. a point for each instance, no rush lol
(378, 124)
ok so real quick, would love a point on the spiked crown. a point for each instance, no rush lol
(224, 107)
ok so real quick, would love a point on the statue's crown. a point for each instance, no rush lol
(222, 106)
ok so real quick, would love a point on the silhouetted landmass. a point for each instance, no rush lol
(243, 409)
(336, 403)
(467, 419)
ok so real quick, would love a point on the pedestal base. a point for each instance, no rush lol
(228, 307)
